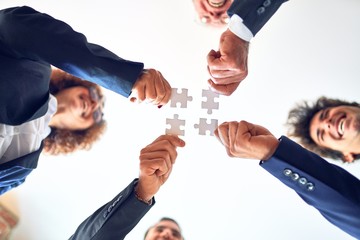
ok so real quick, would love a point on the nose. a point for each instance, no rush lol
(217, 15)
(326, 123)
(328, 126)
(95, 105)
(166, 233)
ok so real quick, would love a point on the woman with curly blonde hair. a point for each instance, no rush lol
(65, 114)
(63, 139)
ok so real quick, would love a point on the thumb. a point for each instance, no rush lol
(213, 55)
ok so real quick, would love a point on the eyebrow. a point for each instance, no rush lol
(174, 231)
(318, 134)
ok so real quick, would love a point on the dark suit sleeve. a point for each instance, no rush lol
(255, 13)
(325, 186)
(14, 172)
(13, 177)
(115, 219)
(27, 33)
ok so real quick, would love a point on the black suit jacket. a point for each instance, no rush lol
(255, 13)
(114, 220)
(30, 42)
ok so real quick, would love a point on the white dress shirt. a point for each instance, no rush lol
(17, 141)
(237, 27)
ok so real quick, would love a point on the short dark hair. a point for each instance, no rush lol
(164, 219)
(299, 119)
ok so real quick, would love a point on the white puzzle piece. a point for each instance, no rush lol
(209, 104)
(176, 126)
(179, 98)
(205, 127)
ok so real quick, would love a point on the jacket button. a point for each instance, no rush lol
(310, 186)
(267, 3)
(302, 181)
(295, 176)
(260, 10)
(287, 172)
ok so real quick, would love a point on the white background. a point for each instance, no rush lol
(308, 49)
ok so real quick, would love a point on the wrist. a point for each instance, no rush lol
(141, 196)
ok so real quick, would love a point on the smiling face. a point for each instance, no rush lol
(212, 12)
(337, 128)
(164, 230)
(78, 108)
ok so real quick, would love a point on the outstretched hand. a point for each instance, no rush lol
(246, 140)
(228, 66)
(156, 162)
(151, 87)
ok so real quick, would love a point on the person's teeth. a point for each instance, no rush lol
(341, 127)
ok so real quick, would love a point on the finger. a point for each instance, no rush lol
(174, 139)
(154, 166)
(226, 90)
(149, 81)
(212, 55)
(167, 143)
(138, 91)
(160, 88)
(167, 95)
(223, 133)
(156, 159)
(233, 138)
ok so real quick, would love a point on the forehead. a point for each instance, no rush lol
(168, 224)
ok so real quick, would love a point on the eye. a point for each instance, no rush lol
(97, 115)
(176, 234)
(159, 229)
(324, 114)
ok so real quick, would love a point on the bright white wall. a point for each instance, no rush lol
(309, 48)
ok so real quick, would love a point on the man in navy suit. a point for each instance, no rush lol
(334, 192)
(30, 44)
(118, 217)
(228, 65)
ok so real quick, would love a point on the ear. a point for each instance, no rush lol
(348, 157)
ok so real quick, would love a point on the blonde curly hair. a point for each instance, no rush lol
(63, 141)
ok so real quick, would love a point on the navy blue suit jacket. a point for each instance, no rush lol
(254, 13)
(30, 42)
(115, 219)
(327, 187)
(333, 191)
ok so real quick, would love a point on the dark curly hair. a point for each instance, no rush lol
(62, 141)
(299, 119)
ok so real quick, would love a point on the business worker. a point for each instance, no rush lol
(166, 228)
(117, 218)
(30, 44)
(328, 127)
(212, 12)
(228, 65)
(333, 191)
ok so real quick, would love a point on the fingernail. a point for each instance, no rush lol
(159, 106)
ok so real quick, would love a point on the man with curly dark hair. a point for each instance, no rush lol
(328, 127)
(330, 189)
(31, 44)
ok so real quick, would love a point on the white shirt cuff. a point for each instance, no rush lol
(237, 27)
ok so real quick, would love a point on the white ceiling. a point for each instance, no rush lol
(309, 48)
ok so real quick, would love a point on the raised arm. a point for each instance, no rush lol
(333, 191)
(27, 33)
(228, 65)
(118, 217)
